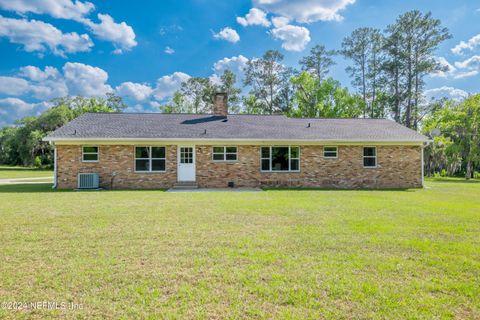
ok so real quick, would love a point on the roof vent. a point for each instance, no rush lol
(308, 126)
(205, 131)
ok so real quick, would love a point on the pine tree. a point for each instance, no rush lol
(318, 62)
(264, 77)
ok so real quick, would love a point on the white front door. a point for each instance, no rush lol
(186, 163)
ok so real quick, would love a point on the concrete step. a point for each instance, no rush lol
(185, 185)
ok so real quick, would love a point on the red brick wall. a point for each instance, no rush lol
(398, 167)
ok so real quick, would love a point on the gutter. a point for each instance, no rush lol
(245, 140)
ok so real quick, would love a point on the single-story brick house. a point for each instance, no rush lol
(155, 150)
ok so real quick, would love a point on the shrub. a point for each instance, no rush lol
(37, 162)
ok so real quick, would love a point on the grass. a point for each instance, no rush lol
(275, 254)
(8, 172)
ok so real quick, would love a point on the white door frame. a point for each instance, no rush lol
(186, 172)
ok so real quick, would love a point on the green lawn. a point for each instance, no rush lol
(284, 254)
(7, 172)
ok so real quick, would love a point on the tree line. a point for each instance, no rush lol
(455, 128)
(22, 144)
(387, 70)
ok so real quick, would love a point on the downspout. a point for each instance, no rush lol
(423, 164)
(54, 167)
(423, 168)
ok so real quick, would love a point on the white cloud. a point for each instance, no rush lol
(294, 38)
(449, 69)
(472, 63)
(167, 85)
(235, 64)
(14, 108)
(38, 36)
(13, 86)
(280, 21)
(62, 9)
(465, 74)
(154, 104)
(49, 89)
(45, 85)
(85, 80)
(255, 17)
(169, 50)
(471, 44)
(121, 34)
(305, 11)
(463, 69)
(227, 34)
(36, 74)
(445, 92)
(16, 105)
(468, 68)
(136, 91)
(80, 79)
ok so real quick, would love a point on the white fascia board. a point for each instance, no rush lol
(136, 141)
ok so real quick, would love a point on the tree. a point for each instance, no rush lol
(177, 105)
(412, 41)
(326, 100)
(394, 70)
(227, 84)
(286, 90)
(22, 144)
(318, 62)
(252, 105)
(364, 48)
(9, 146)
(460, 125)
(374, 73)
(198, 92)
(113, 103)
(264, 77)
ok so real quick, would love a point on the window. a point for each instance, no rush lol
(89, 154)
(369, 157)
(149, 159)
(186, 155)
(330, 152)
(225, 154)
(280, 158)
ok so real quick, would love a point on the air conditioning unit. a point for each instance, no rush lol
(88, 181)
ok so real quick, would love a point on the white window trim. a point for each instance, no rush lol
(289, 158)
(225, 153)
(149, 159)
(375, 157)
(84, 153)
(336, 152)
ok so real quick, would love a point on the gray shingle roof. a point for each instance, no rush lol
(238, 127)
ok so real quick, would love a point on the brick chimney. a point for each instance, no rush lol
(220, 104)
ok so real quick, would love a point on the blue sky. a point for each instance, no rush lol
(143, 50)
